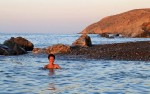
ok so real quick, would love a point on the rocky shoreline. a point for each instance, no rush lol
(139, 51)
(82, 48)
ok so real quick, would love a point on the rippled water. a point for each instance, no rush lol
(24, 74)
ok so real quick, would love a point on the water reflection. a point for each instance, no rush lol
(51, 72)
(51, 86)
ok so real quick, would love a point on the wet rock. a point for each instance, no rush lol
(58, 49)
(4, 50)
(83, 41)
(13, 48)
(18, 50)
(3, 46)
(24, 43)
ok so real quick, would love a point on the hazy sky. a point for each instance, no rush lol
(59, 16)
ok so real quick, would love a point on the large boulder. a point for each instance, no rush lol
(58, 49)
(127, 24)
(24, 43)
(13, 48)
(83, 41)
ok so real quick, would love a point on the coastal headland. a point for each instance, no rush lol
(133, 23)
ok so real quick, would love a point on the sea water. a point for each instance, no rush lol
(24, 74)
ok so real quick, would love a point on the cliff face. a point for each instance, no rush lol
(128, 24)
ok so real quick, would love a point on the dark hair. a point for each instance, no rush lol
(51, 55)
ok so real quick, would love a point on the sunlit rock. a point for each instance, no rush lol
(58, 49)
(127, 24)
(83, 41)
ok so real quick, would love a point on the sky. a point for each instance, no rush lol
(59, 16)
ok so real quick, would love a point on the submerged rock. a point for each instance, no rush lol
(83, 41)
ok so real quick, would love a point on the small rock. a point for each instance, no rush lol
(83, 41)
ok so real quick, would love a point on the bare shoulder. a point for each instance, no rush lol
(45, 66)
(57, 66)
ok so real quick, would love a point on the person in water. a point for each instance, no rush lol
(51, 64)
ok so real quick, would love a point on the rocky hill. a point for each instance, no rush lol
(128, 24)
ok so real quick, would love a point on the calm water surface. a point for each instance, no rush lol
(24, 74)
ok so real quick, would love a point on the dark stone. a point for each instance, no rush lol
(4, 50)
(24, 43)
(18, 50)
(13, 48)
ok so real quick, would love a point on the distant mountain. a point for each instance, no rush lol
(127, 24)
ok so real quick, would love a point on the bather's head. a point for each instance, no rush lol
(51, 58)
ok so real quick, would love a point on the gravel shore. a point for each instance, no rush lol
(120, 51)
